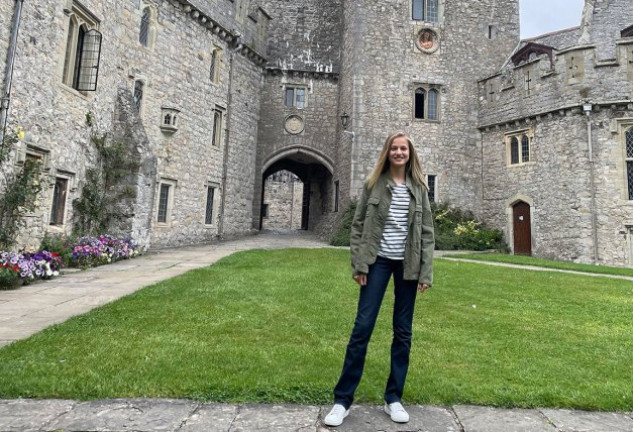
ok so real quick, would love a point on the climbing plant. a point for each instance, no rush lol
(19, 187)
(107, 186)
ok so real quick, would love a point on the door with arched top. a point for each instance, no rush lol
(522, 228)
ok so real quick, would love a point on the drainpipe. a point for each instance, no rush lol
(8, 74)
(587, 107)
(227, 135)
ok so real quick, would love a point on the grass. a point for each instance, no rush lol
(271, 326)
(540, 262)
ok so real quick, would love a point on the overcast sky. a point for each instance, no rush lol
(544, 16)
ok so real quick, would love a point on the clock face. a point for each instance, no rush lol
(294, 124)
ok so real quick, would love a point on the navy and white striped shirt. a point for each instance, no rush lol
(394, 234)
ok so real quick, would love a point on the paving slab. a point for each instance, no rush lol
(585, 421)
(138, 415)
(372, 418)
(276, 418)
(23, 415)
(486, 419)
(211, 418)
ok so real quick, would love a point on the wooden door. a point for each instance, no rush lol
(522, 229)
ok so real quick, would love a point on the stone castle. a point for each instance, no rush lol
(212, 97)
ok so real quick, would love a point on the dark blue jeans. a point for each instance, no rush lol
(371, 296)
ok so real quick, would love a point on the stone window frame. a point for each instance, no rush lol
(215, 64)
(294, 88)
(241, 10)
(337, 195)
(431, 182)
(58, 204)
(439, 8)
(627, 147)
(169, 119)
(427, 89)
(217, 132)
(138, 93)
(79, 19)
(215, 187)
(520, 136)
(151, 24)
(164, 218)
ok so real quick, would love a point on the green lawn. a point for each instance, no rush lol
(271, 326)
(539, 262)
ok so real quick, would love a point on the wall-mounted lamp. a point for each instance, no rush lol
(587, 107)
(344, 119)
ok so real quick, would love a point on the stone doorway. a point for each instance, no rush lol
(284, 202)
(522, 228)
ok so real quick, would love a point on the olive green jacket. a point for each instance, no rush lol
(369, 221)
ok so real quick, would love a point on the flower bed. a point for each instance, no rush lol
(17, 268)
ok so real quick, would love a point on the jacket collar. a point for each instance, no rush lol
(413, 189)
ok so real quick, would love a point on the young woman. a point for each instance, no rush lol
(392, 234)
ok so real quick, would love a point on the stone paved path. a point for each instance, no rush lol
(30, 309)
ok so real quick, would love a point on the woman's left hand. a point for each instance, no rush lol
(423, 287)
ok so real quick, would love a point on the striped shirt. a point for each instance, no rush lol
(394, 234)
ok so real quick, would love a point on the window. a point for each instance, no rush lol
(265, 210)
(430, 180)
(629, 161)
(296, 97)
(214, 71)
(143, 36)
(208, 216)
(138, 94)
(165, 201)
(336, 195)
(426, 103)
(58, 207)
(83, 50)
(216, 137)
(169, 119)
(425, 10)
(518, 148)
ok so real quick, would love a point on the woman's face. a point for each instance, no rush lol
(399, 152)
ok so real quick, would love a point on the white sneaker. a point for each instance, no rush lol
(336, 415)
(397, 412)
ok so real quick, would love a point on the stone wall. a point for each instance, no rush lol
(382, 66)
(283, 195)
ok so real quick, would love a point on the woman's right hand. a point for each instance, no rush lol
(361, 279)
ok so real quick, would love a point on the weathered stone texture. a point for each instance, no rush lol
(284, 197)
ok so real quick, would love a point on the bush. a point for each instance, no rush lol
(456, 229)
(58, 244)
(341, 235)
(93, 251)
(25, 267)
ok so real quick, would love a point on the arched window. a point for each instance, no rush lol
(525, 149)
(432, 108)
(420, 96)
(514, 151)
(143, 36)
(138, 94)
(83, 51)
(629, 161)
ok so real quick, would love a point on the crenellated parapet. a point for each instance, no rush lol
(539, 79)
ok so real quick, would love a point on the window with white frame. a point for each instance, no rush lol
(425, 102)
(519, 148)
(216, 136)
(629, 162)
(425, 10)
(295, 96)
(166, 190)
(83, 50)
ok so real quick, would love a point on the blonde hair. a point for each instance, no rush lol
(413, 168)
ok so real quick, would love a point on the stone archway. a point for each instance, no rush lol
(315, 172)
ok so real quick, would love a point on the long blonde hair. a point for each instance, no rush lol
(413, 168)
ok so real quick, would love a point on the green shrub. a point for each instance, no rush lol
(457, 229)
(60, 244)
(341, 235)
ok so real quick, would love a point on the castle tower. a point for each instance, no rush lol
(413, 65)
